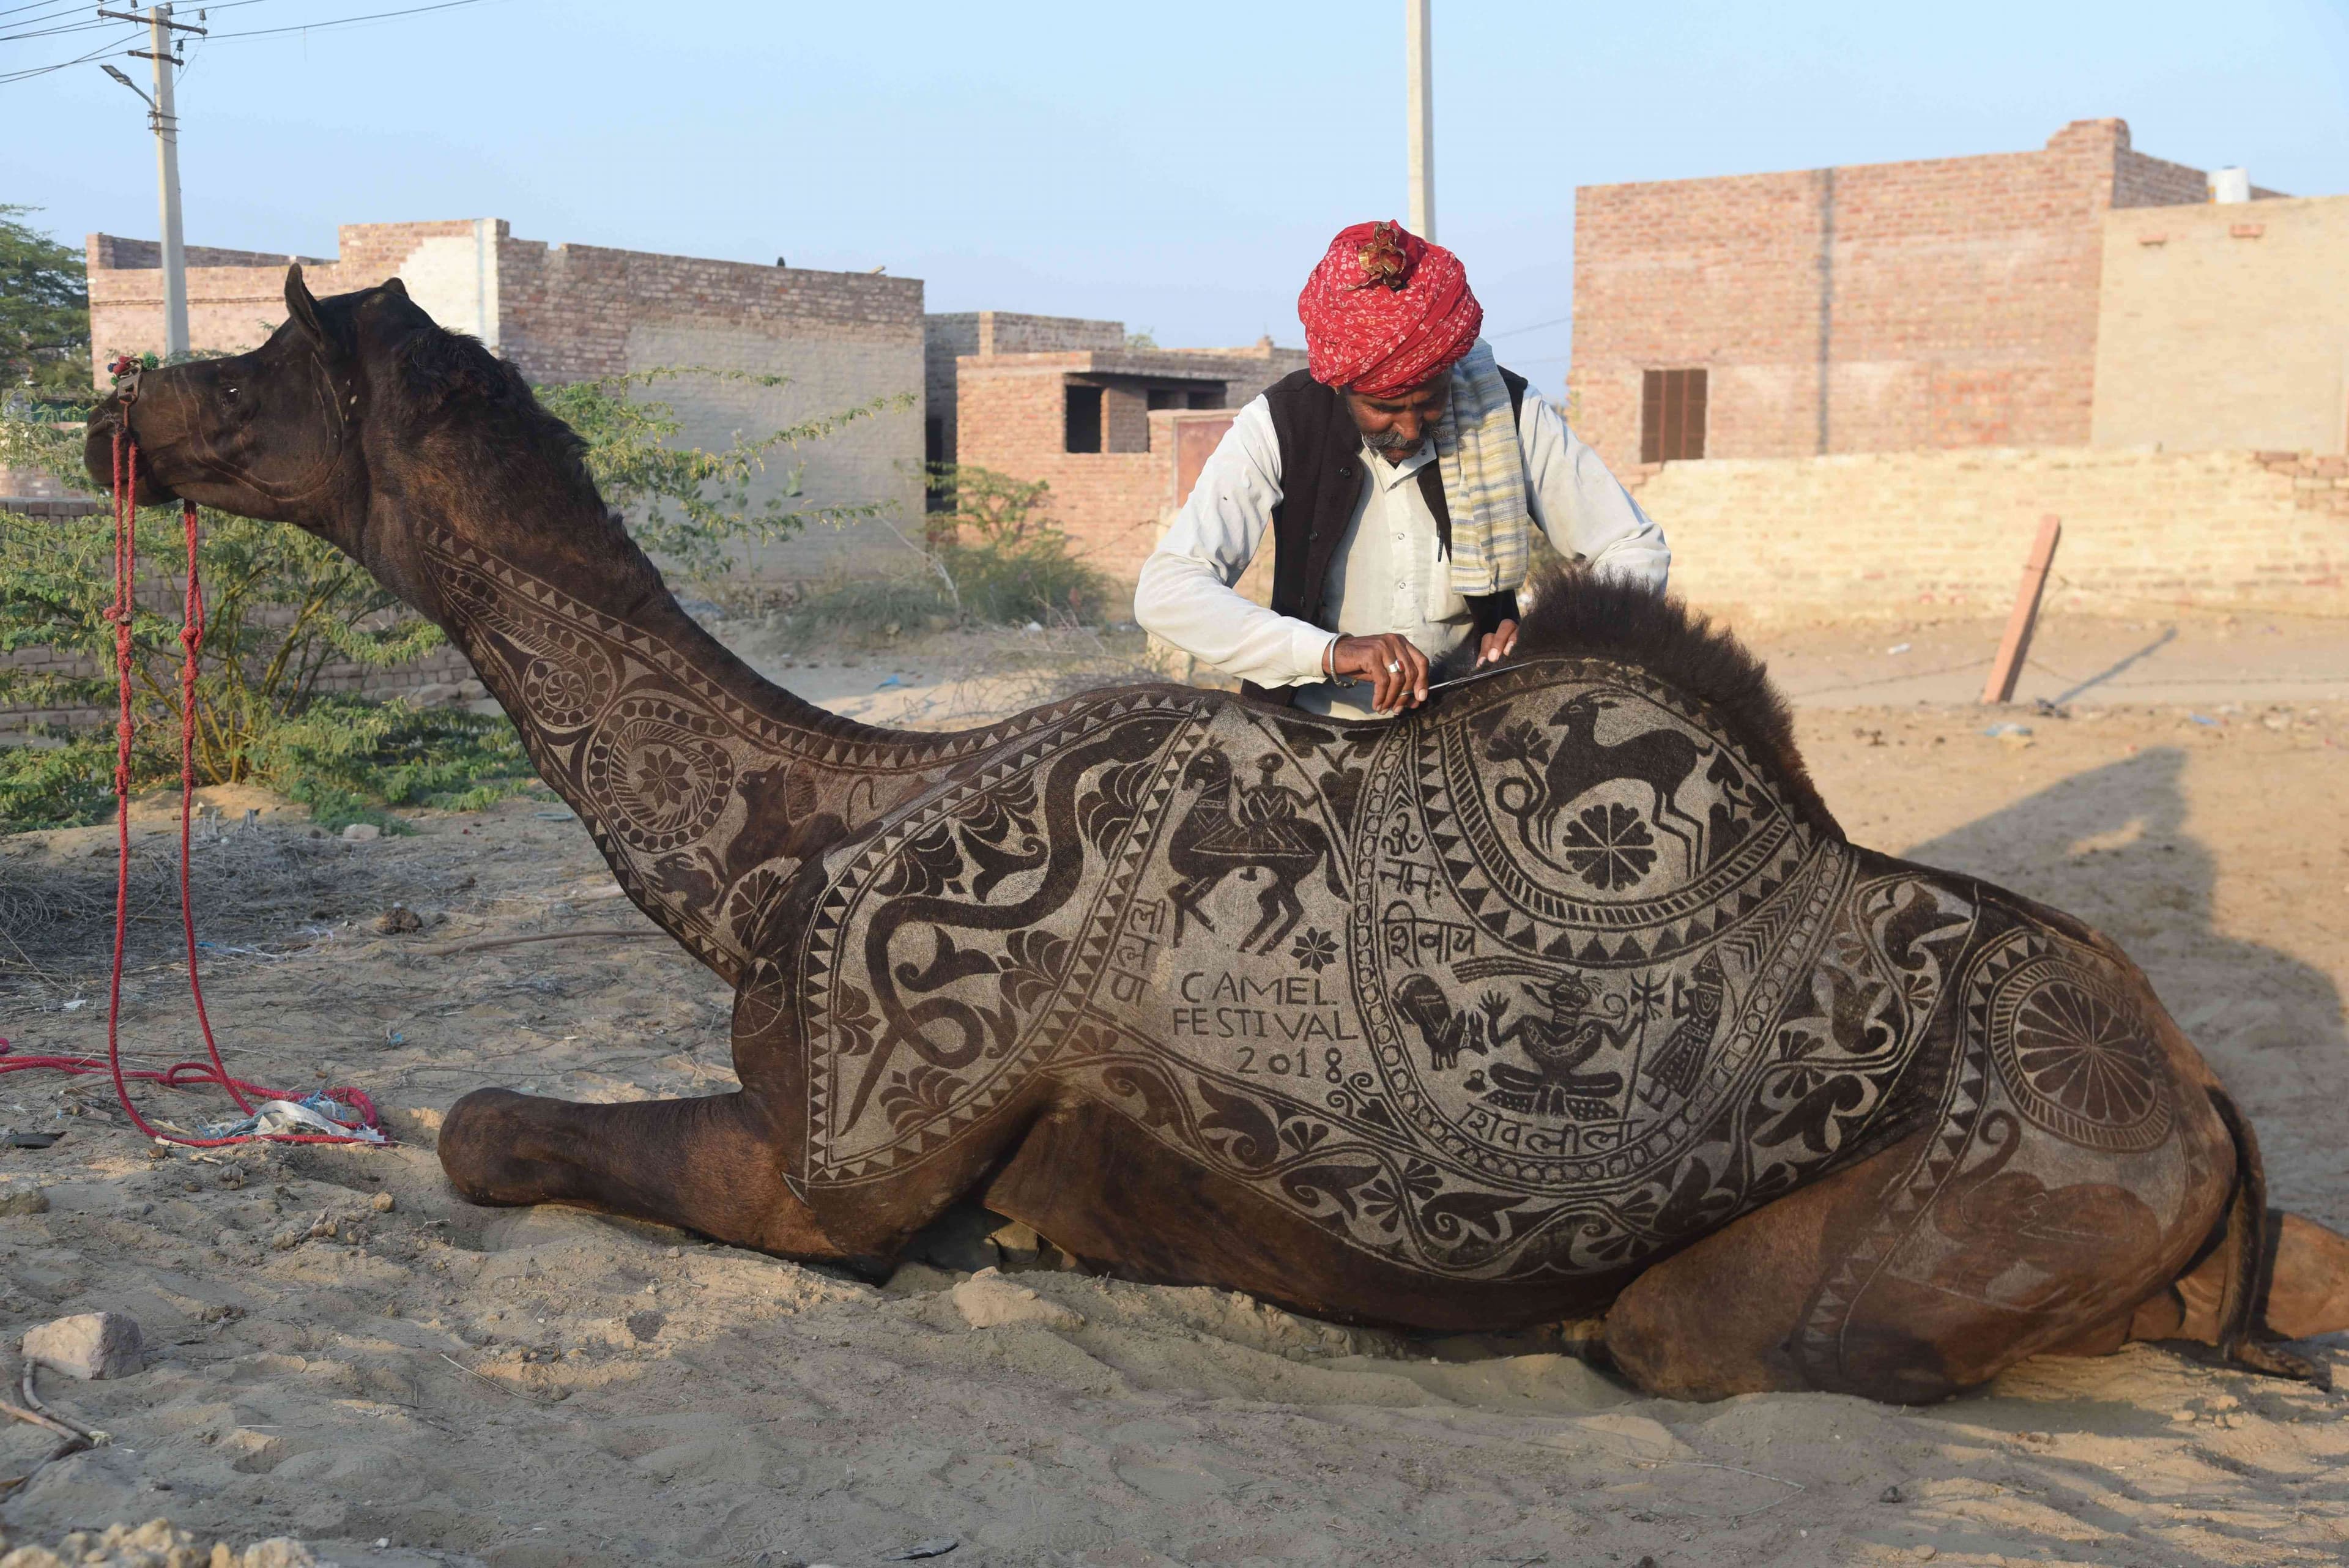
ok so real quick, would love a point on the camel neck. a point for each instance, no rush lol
(704, 784)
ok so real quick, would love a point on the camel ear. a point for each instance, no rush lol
(300, 307)
(395, 286)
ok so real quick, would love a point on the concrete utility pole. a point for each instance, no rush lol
(1419, 116)
(165, 122)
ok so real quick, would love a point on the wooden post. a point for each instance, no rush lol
(2011, 648)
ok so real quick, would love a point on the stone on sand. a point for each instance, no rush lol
(88, 1344)
(157, 1544)
(398, 920)
(989, 1300)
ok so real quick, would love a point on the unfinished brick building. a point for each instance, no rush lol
(1068, 402)
(569, 312)
(1947, 303)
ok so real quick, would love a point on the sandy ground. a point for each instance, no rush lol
(343, 1351)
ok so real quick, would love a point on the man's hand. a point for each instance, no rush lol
(1499, 644)
(1396, 670)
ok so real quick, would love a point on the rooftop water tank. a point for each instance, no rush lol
(2232, 183)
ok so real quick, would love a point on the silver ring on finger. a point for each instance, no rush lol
(1394, 667)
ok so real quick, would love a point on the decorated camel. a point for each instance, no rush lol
(1563, 996)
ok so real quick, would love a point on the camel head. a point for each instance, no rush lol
(358, 415)
(275, 433)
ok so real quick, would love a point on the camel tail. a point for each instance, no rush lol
(2290, 1277)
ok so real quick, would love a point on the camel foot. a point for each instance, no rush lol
(707, 1164)
(2307, 1295)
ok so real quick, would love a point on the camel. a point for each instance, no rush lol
(1797, 1116)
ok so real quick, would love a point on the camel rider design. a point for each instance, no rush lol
(1400, 475)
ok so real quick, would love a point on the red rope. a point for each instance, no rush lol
(191, 640)
(183, 1075)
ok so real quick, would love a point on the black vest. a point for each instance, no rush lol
(1321, 478)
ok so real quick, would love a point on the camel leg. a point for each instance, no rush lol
(2308, 1291)
(710, 1164)
(1812, 1292)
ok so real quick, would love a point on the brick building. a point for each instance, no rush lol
(1949, 303)
(569, 312)
(1108, 427)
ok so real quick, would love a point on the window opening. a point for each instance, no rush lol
(1672, 415)
(1084, 420)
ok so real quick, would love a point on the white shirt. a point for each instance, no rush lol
(1386, 574)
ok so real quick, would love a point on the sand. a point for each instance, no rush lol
(343, 1351)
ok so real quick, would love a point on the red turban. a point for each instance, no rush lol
(1386, 310)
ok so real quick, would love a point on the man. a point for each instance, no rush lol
(1400, 475)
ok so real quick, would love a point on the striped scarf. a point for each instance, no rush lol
(1483, 479)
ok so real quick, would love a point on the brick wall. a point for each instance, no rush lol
(1946, 303)
(235, 298)
(2226, 326)
(1945, 532)
(1012, 413)
(566, 312)
(844, 339)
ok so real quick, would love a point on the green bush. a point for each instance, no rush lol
(1005, 558)
(69, 786)
(283, 606)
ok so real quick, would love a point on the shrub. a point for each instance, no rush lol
(283, 606)
(1005, 558)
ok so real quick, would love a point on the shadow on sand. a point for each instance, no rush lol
(2110, 845)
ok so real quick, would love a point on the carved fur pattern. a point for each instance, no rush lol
(703, 805)
(1440, 1055)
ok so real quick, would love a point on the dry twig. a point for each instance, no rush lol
(619, 932)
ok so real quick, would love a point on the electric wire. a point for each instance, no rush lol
(77, 8)
(103, 49)
(112, 44)
(342, 21)
(1533, 327)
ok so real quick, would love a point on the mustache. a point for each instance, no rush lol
(1391, 441)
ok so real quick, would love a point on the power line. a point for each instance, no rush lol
(65, 10)
(1537, 327)
(108, 46)
(344, 21)
(84, 25)
(106, 49)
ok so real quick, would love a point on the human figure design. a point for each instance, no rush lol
(1679, 1061)
(1578, 1028)
(1246, 828)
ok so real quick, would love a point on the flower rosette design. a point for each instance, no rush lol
(2073, 1048)
(1610, 846)
(663, 771)
(1315, 948)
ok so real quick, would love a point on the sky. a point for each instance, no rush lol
(1179, 168)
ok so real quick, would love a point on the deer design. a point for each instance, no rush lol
(1262, 827)
(1661, 759)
